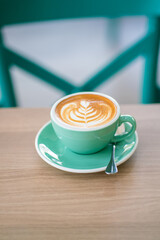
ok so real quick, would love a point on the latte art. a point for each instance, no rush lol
(86, 110)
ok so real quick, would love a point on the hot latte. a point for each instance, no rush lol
(86, 110)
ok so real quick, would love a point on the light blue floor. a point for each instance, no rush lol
(75, 50)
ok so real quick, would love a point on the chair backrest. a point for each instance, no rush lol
(20, 11)
(23, 11)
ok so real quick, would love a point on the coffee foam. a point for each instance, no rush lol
(86, 110)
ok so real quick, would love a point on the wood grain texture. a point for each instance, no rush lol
(40, 202)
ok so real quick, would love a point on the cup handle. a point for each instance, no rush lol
(123, 119)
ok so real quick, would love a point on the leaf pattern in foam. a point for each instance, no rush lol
(84, 109)
(85, 113)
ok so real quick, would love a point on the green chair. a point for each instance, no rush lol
(18, 11)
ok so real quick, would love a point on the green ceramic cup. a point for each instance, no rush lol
(91, 140)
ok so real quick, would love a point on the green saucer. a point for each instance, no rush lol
(52, 151)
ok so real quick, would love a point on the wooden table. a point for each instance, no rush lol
(40, 202)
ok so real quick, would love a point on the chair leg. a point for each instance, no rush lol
(113, 31)
(8, 96)
(151, 93)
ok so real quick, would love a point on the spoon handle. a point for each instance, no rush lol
(112, 167)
